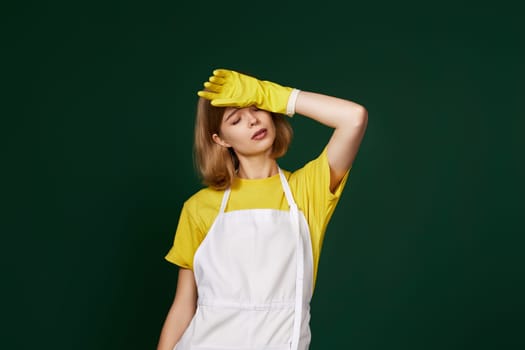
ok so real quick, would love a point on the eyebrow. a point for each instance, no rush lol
(231, 114)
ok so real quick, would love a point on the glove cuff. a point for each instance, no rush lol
(290, 107)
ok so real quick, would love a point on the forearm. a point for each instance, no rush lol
(331, 111)
(177, 320)
(181, 312)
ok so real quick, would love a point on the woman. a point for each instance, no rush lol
(248, 245)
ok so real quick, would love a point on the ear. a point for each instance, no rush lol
(217, 139)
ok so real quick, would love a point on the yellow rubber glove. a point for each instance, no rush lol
(227, 88)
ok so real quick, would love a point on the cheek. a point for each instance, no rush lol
(274, 129)
(231, 135)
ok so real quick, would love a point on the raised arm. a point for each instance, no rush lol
(349, 121)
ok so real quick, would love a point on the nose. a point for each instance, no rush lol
(253, 120)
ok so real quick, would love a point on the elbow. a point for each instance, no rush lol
(360, 117)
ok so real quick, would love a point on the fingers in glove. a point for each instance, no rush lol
(222, 73)
(212, 87)
(217, 80)
(207, 95)
(225, 102)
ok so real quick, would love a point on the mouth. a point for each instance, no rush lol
(260, 134)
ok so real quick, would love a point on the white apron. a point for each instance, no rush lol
(254, 276)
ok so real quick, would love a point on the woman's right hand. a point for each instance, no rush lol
(227, 88)
(181, 311)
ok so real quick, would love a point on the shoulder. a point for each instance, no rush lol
(205, 198)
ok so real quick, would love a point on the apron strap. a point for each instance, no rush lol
(299, 280)
(299, 283)
(225, 200)
(286, 188)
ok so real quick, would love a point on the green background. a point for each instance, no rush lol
(425, 250)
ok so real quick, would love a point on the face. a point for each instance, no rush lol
(249, 131)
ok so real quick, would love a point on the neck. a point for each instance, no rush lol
(257, 167)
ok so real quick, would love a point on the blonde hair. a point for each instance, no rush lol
(216, 164)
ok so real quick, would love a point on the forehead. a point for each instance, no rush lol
(228, 111)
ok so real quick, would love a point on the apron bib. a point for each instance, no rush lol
(254, 277)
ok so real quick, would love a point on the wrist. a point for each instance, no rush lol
(276, 98)
(290, 107)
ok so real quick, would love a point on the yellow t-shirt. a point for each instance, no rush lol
(310, 187)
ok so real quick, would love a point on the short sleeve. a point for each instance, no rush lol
(318, 172)
(312, 184)
(187, 239)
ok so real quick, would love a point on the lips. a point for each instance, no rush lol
(259, 134)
